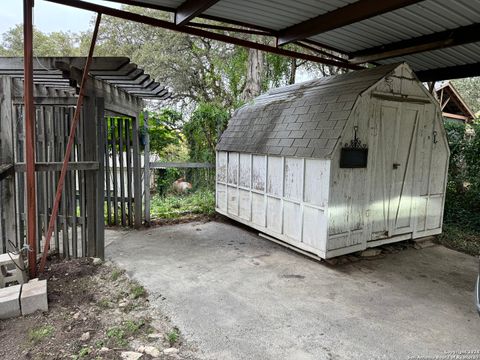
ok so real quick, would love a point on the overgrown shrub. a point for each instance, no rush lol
(462, 206)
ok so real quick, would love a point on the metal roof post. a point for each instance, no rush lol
(29, 135)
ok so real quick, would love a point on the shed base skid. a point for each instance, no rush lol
(315, 254)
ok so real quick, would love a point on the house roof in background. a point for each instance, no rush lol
(304, 119)
(440, 39)
(452, 102)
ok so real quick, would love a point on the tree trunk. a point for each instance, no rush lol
(293, 71)
(253, 85)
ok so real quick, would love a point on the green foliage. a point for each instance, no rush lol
(53, 44)
(206, 124)
(138, 291)
(116, 274)
(163, 129)
(176, 206)
(84, 352)
(118, 335)
(469, 88)
(460, 238)
(39, 333)
(173, 336)
(463, 187)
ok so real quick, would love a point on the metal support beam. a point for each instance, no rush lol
(30, 135)
(349, 14)
(191, 8)
(450, 72)
(68, 151)
(203, 33)
(462, 35)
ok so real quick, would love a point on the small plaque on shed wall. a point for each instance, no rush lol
(355, 154)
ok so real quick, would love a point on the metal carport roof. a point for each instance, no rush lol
(440, 39)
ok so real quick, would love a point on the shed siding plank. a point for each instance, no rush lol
(259, 172)
(274, 214)
(293, 181)
(222, 166)
(245, 206)
(245, 170)
(258, 209)
(275, 176)
(314, 227)
(292, 225)
(233, 168)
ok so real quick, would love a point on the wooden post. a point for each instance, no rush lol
(90, 153)
(100, 228)
(137, 175)
(30, 135)
(7, 157)
(146, 168)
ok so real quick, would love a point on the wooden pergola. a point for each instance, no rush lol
(440, 40)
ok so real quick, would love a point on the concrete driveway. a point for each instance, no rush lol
(235, 295)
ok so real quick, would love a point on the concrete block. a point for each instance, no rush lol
(34, 297)
(10, 302)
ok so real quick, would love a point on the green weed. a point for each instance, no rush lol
(176, 206)
(173, 336)
(137, 291)
(40, 333)
(116, 274)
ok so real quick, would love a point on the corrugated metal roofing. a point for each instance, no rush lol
(303, 120)
(425, 17)
(275, 14)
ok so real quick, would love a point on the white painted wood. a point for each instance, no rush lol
(258, 209)
(221, 166)
(232, 200)
(274, 214)
(259, 172)
(245, 206)
(292, 224)
(314, 228)
(293, 181)
(275, 176)
(232, 172)
(221, 197)
(245, 170)
(317, 181)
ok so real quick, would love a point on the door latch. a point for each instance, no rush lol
(395, 166)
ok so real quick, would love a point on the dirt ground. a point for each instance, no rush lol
(95, 312)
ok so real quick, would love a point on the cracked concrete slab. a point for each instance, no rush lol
(238, 296)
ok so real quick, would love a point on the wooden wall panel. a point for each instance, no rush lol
(275, 176)
(258, 209)
(292, 220)
(259, 172)
(274, 214)
(222, 166)
(245, 170)
(293, 179)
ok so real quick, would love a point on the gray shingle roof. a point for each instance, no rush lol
(304, 120)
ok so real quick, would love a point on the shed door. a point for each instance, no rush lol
(395, 132)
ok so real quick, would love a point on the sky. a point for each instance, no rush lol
(48, 16)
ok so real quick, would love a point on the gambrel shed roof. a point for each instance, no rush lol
(304, 120)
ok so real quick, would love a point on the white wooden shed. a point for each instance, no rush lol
(339, 164)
